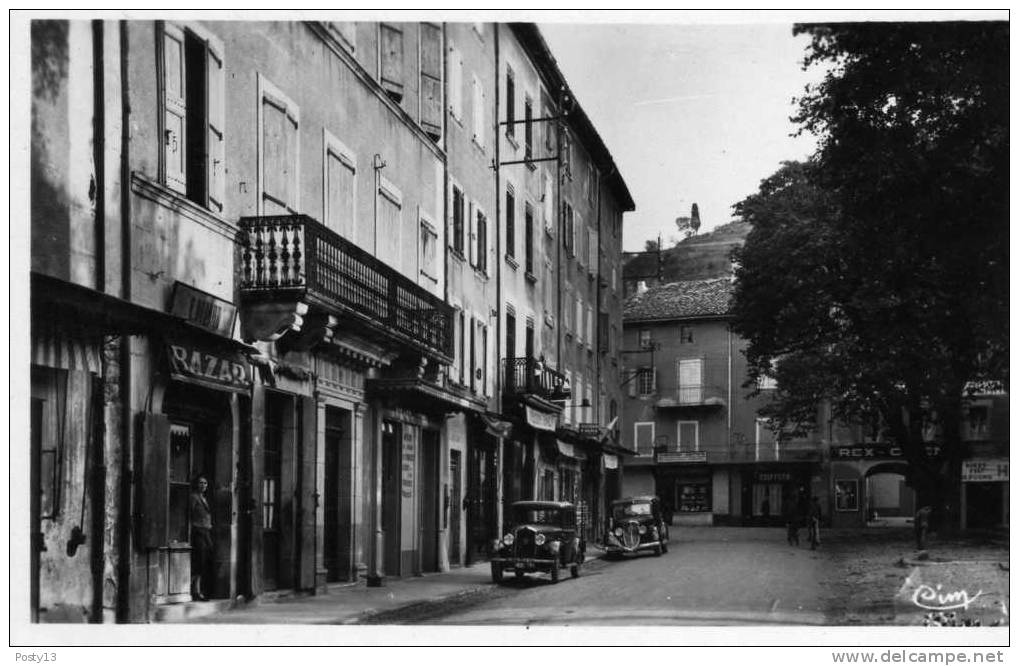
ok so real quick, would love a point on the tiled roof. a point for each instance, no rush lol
(677, 300)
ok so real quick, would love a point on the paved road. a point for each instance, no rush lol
(710, 576)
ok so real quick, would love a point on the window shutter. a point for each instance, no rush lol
(472, 250)
(154, 489)
(687, 436)
(654, 380)
(391, 60)
(175, 108)
(216, 113)
(479, 112)
(431, 79)
(456, 69)
(634, 377)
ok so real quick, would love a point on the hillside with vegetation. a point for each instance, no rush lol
(697, 257)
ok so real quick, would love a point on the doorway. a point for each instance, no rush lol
(429, 507)
(455, 507)
(337, 500)
(391, 438)
(272, 473)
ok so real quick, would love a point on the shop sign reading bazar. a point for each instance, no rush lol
(217, 370)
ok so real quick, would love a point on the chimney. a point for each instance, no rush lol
(641, 287)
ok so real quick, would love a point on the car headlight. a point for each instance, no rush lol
(641, 529)
(618, 531)
(508, 539)
(539, 539)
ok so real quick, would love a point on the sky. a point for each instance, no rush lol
(691, 113)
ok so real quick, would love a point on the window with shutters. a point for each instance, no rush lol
(511, 112)
(644, 340)
(484, 359)
(688, 436)
(580, 318)
(388, 240)
(550, 291)
(345, 33)
(427, 244)
(278, 137)
(529, 238)
(192, 156)
(646, 382)
(510, 213)
(456, 83)
(458, 211)
(589, 339)
(690, 381)
(548, 203)
(481, 253)
(391, 60)
(568, 414)
(644, 437)
(568, 229)
(431, 80)
(473, 355)
(528, 130)
(478, 112)
(339, 178)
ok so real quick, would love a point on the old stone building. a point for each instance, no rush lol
(292, 258)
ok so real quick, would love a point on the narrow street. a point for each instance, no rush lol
(710, 576)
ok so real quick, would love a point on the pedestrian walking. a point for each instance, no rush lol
(201, 541)
(921, 525)
(792, 522)
(814, 524)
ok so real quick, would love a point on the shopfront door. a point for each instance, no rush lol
(428, 519)
(272, 473)
(337, 496)
(391, 437)
(454, 507)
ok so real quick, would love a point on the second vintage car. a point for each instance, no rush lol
(637, 524)
(542, 536)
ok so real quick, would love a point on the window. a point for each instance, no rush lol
(690, 381)
(279, 122)
(977, 423)
(589, 338)
(484, 359)
(847, 495)
(550, 127)
(458, 210)
(511, 211)
(592, 183)
(387, 235)
(345, 33)
(431, 80)
(687, 436)
(548, 203)
(528, 130)
(193, 115)
(391, 60)
(646, 381)
(459, 345)
(685, 334)
(511, 332)
(592, 251)
(550, 288)
(529, 337)
(568, 228)
(339, 179)
(568, 414)
(180, 482)
(473, 368)
(478, 101)
(427, 255)
(644, 339)
(480, 234)
(510, 104)
(529, 238)
(579, 241)
(456, 82)
(644, 438)
(579, 321)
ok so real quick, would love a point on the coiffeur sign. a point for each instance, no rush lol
(216, 370)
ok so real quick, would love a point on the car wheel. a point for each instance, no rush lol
(575, 571)
(520, 574)
(496, 573)
(554, 573)
(665, 546)
(658, 550)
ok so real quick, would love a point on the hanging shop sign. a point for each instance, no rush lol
(407, 465)
(590, 430)
(878, 451)
(540, 420)
(223, 371)
(984, 471)
(772, 477)
(203, 310)
(611, 461)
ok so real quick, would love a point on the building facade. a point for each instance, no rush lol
(291, 258)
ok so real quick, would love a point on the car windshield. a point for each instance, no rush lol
(631, 510)
(533, 516)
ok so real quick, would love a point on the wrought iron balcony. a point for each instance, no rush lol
(293, 257)
(701, 395)
(529, 376)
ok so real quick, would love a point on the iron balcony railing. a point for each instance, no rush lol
(697, 395)
(294, 256)
(525, 375)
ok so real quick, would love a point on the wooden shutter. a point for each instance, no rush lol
(690, 380)
(472, 235)
(633, 376)
(154, 487)
(478, 102)
(456, 82)
(175, 108)
(687, 436)
(391, 59)
(431, 79)
(216, 123)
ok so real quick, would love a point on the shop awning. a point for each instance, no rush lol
(568, 450)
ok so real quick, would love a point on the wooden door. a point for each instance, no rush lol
(428, 519)
(391, 448)
(272, 473)
(455, 507)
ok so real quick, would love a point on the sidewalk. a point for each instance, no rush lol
(352, 603)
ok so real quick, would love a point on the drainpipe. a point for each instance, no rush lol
(126, 418)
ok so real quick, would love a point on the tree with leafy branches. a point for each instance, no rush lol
(876, 273)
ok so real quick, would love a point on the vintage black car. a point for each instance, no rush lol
(543, 536)
(637, 524)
